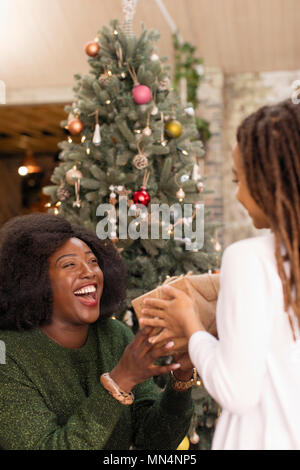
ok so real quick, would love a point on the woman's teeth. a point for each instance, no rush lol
(85, 290)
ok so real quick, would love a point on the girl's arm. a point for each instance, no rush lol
(233, 367)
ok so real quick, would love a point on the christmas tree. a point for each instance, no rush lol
(132, 146)
(135, 141)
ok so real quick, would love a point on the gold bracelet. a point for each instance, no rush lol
(183, 385)
(110, 385)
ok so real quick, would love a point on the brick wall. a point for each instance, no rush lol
(224, 101)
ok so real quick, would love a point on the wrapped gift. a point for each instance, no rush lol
(203, 289)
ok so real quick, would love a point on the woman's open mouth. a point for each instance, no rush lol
(87, 295)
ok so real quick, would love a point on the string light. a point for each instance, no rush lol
(184, 152)
(83, 139)
(23, 171)
(70, 140)
(218, 246)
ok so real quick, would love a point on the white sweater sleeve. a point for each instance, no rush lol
(233, 367)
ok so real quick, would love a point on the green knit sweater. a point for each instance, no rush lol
(51, 396)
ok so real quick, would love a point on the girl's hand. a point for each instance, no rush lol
(136, 364)
(185, 372)
(176, 315)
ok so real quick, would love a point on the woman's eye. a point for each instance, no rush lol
(94, 261)
(69, 264)
(235, 181)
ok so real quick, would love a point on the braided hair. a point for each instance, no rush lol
(269, 143)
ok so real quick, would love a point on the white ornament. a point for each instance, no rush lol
(195, 438)
(128, 320)
(154, 111)
(190, 111)
(97, 135)
(147, 131)
(154, 57)
(180, 195)
(184, 178)
(196, 172)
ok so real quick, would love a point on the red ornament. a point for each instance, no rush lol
(141, 197)
(141, 94)
(92, 48)
(75, 126)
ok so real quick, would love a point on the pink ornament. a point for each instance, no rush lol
(141, 94)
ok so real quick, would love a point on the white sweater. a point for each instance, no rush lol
(253, 370)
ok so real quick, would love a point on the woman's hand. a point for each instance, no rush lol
(176, 315)
(136, 364)
(185, 372)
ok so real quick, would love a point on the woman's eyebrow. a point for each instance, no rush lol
(71, 254)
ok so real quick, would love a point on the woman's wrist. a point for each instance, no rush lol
(122, 379)
(183, 375)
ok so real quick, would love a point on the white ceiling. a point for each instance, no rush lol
(42, 41)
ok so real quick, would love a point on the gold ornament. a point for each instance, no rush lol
(73, 175)
(173, 129)
(180, 195)
(184, 445)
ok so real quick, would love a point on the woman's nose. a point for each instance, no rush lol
(86, 270)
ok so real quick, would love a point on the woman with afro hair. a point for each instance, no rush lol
(73, 377)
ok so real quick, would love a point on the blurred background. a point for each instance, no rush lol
(250, 51)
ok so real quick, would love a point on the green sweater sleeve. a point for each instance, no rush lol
(26, 422)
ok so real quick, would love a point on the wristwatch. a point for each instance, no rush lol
(183, 385)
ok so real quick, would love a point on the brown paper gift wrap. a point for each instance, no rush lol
(203, 290)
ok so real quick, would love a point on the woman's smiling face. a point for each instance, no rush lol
(77, 283)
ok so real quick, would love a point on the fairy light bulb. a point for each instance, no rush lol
(218, 246)
(23, 171)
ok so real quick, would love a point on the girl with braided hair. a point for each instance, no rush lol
(253, 369)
